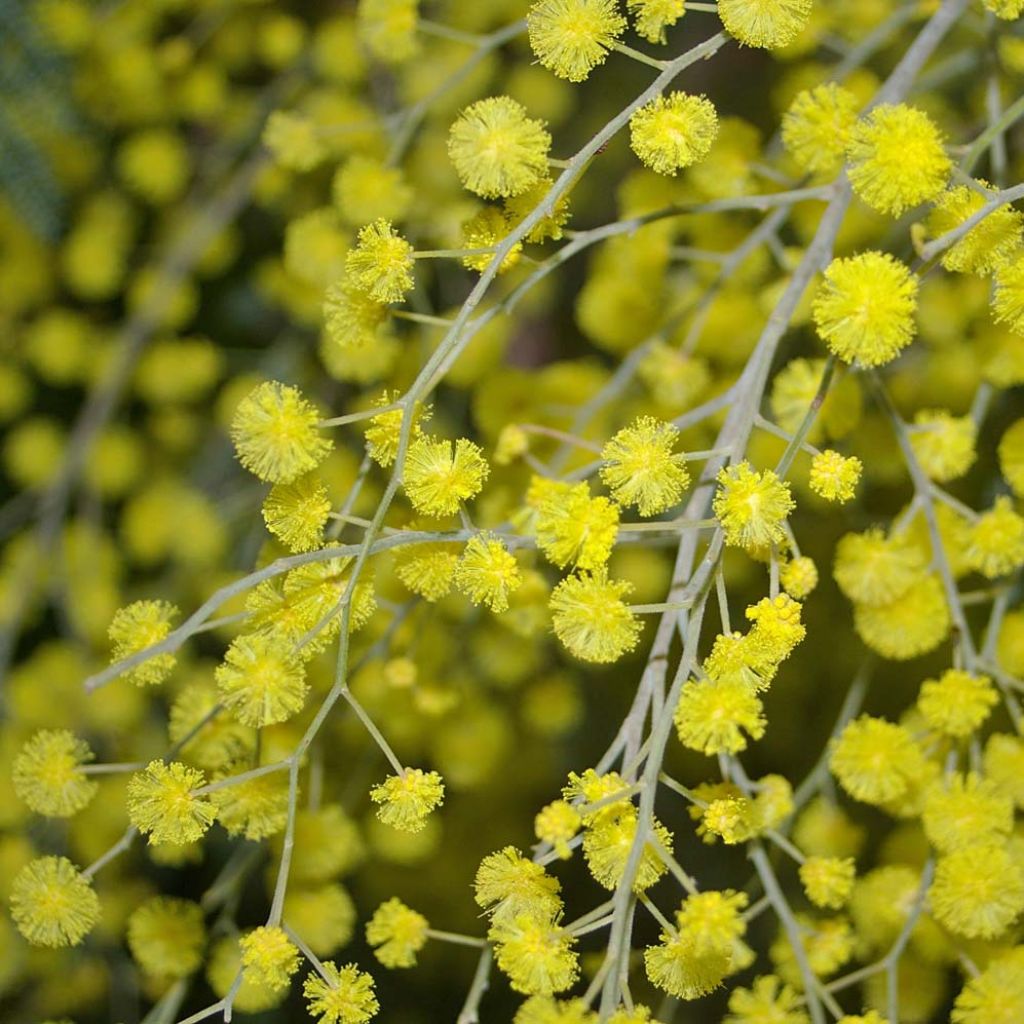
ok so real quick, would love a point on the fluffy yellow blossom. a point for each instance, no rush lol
(397, 933)
(989, 245)
(1008, 298)
(864, 308)
(428, 570)
(496, 149)
(997, 540)
(834, 477)
(52, 903)
(261, 682)
(944, 445)
(166, 937)
(222, 967)
(731, 819)
(256, 808)
(640, 468)
(323, 915)
(962, 811)
(591, 619)
(897, 159)
(384, 430)
(439, 475)
(828, 881)
(294, 140)
(875, 761)
(572, 37)
(957, 703)
(352, 318)
(996, 995)
(344, 996)
(817, 127)
(136, 627)
(650, 19)
(161, 803)
(275, 432)
(387, 28)
(777, 627)
(48, 776)
(381, 263)
(607, 843)
(365, 190)
(295, 513)
(769, 24)
(978, 891)
(537, 955)
(269, 957)
(799, 577)
(557, 824)
(406, 800)
(486, 230)
(674, 131)
(767, 999)
(509, 885)
(487, 572)
(751, 506)
(911, 625)
(712, 717)
(680, 966)
(572, 526)
(873, 569)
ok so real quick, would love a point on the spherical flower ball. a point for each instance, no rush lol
(1011, 457)
(989, 245)
(591, 619)
(365, 189)
(652, 17)
(295, 513)
(276, 435)
(269, 957)
(439, 476)
(766, 999)
(507, 884)
(817, 126)
(768, 24)
(397, 932)
(486, 230)
(224, 961)
(996, 995)
(978, 891)
(324, 916)
(572, 37)
(712, 718)
(154, 164)
(487, 573)
(609, 838)
(641, 469)
(571, 525)
(835, 477)
(496, 149)
(293, 140)
(997, 540)
(864, 308)
(909, 626)
(52, 903)
(680, 967)
(873, 569)
(342, 996)
(557, 824)
(48, 775)
(387, 28)
(261, 682)
(406, 800)
(957, 703)
(896, 159)
(136, 627)
(961, 811)
(161, 803)
(799, 577)
(943, 444)
(166, 937)
(536, 954)
(751, 506)
(674, 131)
(828, 881)
(352, 319)
(381, 263)
(875, 761)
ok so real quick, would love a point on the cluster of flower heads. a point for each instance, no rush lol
(801, 327)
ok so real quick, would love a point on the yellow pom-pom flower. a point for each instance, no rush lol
(352, 319)
(261, 682)
(767, 999)
(52, 903)
(536, 954)
(835, 477)
(897, 159)
(397, 932)
(977, 892)
(608, 840)
(166, 937)
(48, 775)
(828, 881)
(439, 476)
(275, 433)
(817, 127)
(269, 957)
(293, 140)
(295, 513)
(957, 703)
(497, 150)
(799, 577)
(864, 308)
(343, 996)
(487, 572)
(684, 967)
(716, 718)
(557, 824)
(571, 526)
(909, 626)
(962, 811)
(384, 432)
(873, 569)
(136, 627)
(997, 540)
(222, 966)
(943, 444)
(572, 37)
(751, 506)
(768, 24)
(365, 189)
(387, 28)
(509, 886)
(875, 761)
(428, 570)
(406, 800)
(640, 468)
(162, 806)
(652, 17)
(487, 229)
(989, 245)
(674, 131)
(381, 263)
(591, 619)
(996, 995)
